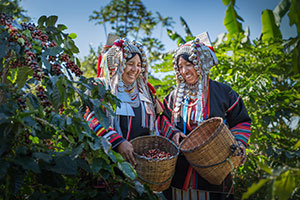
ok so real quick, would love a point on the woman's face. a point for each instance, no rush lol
(187, 71)
(132, 70)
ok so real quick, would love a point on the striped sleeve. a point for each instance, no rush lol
(242, 132)
(164, 124)
(110, 134)
(238, 118)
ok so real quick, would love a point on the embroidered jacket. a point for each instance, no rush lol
(223, 102)
(130, 126)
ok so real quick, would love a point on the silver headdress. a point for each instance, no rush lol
(113, 62)
(203, 58)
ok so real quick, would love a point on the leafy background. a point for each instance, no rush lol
(48, 151)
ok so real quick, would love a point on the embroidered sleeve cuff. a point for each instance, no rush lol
(117, 142)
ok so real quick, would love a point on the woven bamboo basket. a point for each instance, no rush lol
(211, 150)
(157, 173)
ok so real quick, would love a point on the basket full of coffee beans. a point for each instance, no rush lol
(156, 158)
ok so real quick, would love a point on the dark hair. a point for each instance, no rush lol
(185, 56)
(133, 54)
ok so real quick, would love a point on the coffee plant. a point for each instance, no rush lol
(47, 150)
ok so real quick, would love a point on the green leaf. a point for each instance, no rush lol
(64, 165)
(280, 10)
(231, 22)
(83, 164)
(119, 157)
(297, 145)
(3, 168)
(254, 187)
(106, 145)
(175, 36)
(41, 20)
(295, 59)
(43, 156)
(186, 27)
(18, 181)
(69, 44)
(51, 20)
(53, 51)
(46, 62)
(285, 185)
(21, 40)
(54, 94)
(28, 163)
(72, 35)
(226, 2)
(127, 169)
(52, 179)
(33, 100)
(27, 33)
(97, 164)
(29, 122)
(95, 146)
(22, 75)
(76, 151)
(61, 27)
(294, 15)
(139, 187)
(269, 28)
(266, 168)
(69, 121)
(3, 49)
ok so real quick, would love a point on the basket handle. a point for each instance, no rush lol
(233, 148)
(155, 183)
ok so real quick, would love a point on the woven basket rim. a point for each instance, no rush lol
(208, 140)
(161, 137)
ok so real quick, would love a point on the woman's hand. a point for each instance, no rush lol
(126, 150)
(177, 136)
(243, 154)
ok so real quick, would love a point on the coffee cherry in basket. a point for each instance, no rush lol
(156, 154)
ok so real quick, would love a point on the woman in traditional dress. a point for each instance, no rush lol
(123, 71)
(195, 99)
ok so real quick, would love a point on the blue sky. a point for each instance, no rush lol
(200, 15)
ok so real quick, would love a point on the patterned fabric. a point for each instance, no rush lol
(110, 134)
(223, 102)
(189, 194)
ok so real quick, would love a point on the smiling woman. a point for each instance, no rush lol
(123, 71)
(196, 99)
(132, 70)
(187, 70)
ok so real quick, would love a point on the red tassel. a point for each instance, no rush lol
(211, 48)
(152, 89)
(98, 65)
(187, 178)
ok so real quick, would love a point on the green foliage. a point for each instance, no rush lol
(280, 10)
(89, 62)
(47, 150)
(270, 29)
(125, 17)
(261, 73)
(129, 18)
(232, 20)
(12, 8)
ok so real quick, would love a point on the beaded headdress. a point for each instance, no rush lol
(111, 66)
(113, 61)
(203, 58)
